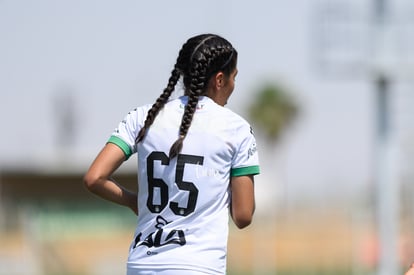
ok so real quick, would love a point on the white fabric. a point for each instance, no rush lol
(184, 224)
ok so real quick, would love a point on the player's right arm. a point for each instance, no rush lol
(98, 178)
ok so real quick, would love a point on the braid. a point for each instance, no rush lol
(198, 81)
(159, 103)
(215, 58)
(186, 120)
(198, 60)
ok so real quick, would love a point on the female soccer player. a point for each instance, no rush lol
(196, 161)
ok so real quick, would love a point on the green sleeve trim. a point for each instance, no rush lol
(121, 144)
(243, 171)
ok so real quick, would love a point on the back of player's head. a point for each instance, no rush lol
(200, 58)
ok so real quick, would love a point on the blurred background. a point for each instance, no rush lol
(326, 84)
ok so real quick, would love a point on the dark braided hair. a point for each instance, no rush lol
(199, 59)
(159, 103)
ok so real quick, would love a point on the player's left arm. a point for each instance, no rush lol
(245, 165)
(242, 200)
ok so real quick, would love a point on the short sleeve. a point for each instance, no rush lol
(125, 134)
(246, 159)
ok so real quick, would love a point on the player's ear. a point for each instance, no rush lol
(219, 80)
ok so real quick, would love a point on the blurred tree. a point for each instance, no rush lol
(273, 110)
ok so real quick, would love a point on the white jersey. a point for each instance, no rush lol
(183, 203)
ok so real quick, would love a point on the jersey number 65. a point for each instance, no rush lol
(153, 183)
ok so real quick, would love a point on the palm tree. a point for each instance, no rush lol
(273, 111)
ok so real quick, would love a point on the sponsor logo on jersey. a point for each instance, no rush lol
(132, 111)
(252, 150)
(159, 237)
(202, 171)
(199, 106)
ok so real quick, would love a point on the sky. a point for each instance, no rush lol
(101, 59)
